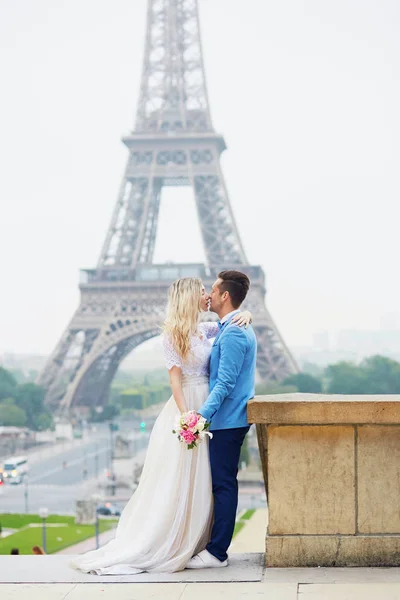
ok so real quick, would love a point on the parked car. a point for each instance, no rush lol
(108, 510)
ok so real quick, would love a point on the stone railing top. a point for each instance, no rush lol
(299, 408)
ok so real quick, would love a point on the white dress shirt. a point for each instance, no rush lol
(226, 317)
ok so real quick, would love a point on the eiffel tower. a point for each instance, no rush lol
(173, 144)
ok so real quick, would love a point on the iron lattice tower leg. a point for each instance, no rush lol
(173, 144)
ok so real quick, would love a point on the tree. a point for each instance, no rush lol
(44, 421)
(375, 375)
(271, 388)
(21, 377)
(346, 378)
(8, 384)
(304, 383)
(109, 412)
(11, 415)
(312, 369)
(8, 402)
(382, 375)
(30, 398)
(133, 398)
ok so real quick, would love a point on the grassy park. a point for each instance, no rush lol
(61, 532)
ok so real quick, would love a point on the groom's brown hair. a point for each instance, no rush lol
(236, 283)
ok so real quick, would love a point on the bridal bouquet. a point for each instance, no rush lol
(191, 429)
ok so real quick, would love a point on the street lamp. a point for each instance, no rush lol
(96, 499)
(26, 494)
(111, 446)
(113, 427)
(43, 514)
(85, 469)
(96, 461)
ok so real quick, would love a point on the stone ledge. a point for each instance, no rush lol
(333, 551)
(326, 409)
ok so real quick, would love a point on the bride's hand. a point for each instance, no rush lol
(243, 318)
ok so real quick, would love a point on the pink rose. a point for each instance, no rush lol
(192, 419)
(188, 436)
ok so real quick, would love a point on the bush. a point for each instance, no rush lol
(109, 412)
(133, 398)
(270, 388)
(11, 415)
(8, 384)
(305, 382)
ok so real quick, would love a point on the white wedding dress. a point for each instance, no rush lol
(169, 517)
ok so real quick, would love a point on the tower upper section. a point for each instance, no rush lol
(173, 92)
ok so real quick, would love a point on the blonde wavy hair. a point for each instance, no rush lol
(183, 313)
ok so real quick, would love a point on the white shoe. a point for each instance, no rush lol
(205, 560)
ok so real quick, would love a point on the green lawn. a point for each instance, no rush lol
(247, 515)
(60, 537)
(57, 537)
(242, 521)
(16, 521)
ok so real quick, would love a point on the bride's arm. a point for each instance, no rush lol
(209, 329)
(175, 378)
(242, 318)
(174, 366)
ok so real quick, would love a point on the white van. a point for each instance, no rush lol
(14, 469)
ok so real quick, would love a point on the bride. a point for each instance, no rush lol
(169, 517)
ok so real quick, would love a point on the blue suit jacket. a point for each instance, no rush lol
(232, 374)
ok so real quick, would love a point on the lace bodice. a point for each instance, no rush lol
(197, 362)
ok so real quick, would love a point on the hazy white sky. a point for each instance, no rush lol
(307, 94)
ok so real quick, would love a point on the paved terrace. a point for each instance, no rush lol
(49, 578)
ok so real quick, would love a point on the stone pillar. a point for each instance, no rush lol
(331, 468)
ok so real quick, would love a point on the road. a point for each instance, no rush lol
(94, 457)
(52, 485)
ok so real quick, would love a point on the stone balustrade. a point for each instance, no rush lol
(331, 466)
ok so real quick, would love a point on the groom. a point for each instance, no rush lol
(232, 372)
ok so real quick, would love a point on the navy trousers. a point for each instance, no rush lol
(224, 458)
